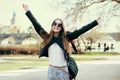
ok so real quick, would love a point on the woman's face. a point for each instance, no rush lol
(57, 26)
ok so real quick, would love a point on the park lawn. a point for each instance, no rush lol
(101, 54)
(17, 65)
(17, 62)
(22, 62)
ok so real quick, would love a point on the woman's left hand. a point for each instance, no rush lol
(99, 20)
(25, 7)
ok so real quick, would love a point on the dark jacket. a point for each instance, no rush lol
(71, 36)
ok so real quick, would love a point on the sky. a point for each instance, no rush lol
(42, 11)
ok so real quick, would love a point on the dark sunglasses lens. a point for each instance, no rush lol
(59, 25)
(54, 23)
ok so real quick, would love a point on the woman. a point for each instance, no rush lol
(55, 44)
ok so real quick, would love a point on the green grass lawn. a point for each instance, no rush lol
(15, 62)
(20, 65)
(101, 53)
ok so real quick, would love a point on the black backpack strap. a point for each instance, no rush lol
(74, 47)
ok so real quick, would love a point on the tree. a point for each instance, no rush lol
(76, 10)
(80, 12)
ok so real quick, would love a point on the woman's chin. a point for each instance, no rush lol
(56, 31)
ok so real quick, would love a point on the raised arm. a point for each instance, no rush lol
(35, 23)
(75, 34)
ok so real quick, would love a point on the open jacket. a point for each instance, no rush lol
(71, 36)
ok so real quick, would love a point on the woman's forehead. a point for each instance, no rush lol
(58, 21)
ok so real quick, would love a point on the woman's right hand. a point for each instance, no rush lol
(25, 7)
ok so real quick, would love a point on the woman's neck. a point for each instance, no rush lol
(56, 34)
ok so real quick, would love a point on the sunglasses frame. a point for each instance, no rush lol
(57, 24)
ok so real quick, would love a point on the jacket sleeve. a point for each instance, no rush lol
(75, 34)
(36, 25)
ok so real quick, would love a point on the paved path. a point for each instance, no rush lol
(88, 70)
(99, 70)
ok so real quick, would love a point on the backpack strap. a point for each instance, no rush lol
(73, 46)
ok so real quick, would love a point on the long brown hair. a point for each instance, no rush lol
(63, 34)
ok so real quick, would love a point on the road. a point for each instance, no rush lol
(88, 70)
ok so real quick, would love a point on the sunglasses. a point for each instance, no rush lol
(57, 24)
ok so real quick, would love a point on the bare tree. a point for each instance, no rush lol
(77, 10)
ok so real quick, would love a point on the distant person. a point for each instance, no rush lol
(105, 47)
(55, 44)
(99, 45)
(89, 46)
(112, 47)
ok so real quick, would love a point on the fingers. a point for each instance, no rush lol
(99, 19)
(25, 7)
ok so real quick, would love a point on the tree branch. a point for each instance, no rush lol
(118, 1)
